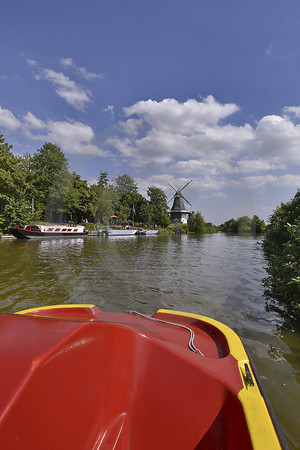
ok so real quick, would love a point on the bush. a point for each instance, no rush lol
(244, 225)
(196, 224)
(89, 225)
(282, 248)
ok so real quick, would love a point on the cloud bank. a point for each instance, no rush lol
(73, 137)
(194, 139)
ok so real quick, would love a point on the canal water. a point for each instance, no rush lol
(215, 275)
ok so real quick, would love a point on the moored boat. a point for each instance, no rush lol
(75, 377)
(121, 232)
(47, 231)
(148, 232)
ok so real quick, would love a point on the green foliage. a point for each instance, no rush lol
(103, 180)
(124, 184)
(211, 228)
(16, 211)
(163, 219)
(145, 214)
(175, 228)
(258, 226)
(158, 206)
(106, 202)
(230, 226)
(15, 192)
(80, 200)
(123, 212)
(282, 248)
(244, 225)
(49, 167)
(134, 203)
(196, 224)
(89, 225)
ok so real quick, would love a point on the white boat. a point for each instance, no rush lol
(148, 232)
(118, 232)
(47, 231)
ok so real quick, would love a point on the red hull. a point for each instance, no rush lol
(78, 378)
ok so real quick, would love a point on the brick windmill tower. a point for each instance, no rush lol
(178, 212)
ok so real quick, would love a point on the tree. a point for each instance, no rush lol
(258, 226)
(244, 224)
(80, 199)
(13, 171)
(158, 205)
(145, 213)
(49, 166)
(196, 224)
(57, 196)
(17, 212)
(107, 199)
(15, 187)
(124, 212)
(164, 219)
(230, 226)
(124, 184)
(103, 180)
(282, 248)
(135, 202)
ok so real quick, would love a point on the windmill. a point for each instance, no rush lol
(178, 212)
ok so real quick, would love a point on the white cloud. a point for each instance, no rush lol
(111, 110)
(73, 137)
(277, 140)
(189, 117)
(262, 181)
(71, 92)
(189, 138)
(8, 122)
(292, 110)
(82, 71)
(66, 62)
(131, 126)
(31, 62)
(256, 165)
(32, 122)
(164, 132)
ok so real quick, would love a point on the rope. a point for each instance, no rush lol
(191, 345)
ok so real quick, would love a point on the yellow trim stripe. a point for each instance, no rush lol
(28, 311)
(234, 343)
(258, 419)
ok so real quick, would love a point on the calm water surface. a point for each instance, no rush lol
(217, 275)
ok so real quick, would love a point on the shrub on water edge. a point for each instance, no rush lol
(166, 231)
(196, 224)
(89, 225)
(282, 248)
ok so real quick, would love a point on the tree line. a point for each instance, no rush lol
(40, 187)
(244, 225)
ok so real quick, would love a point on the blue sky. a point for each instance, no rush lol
(197, 90)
